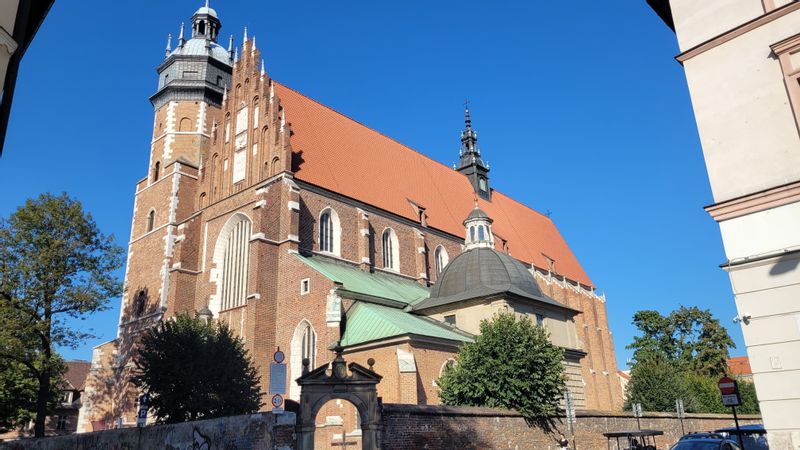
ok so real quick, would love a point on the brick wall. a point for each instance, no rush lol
(262, 431)
(440, 427)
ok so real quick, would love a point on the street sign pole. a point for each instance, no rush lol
(570, 404)
(738, 431)
(679, 409)
(729, 389)
(277, 381)
(637, 412)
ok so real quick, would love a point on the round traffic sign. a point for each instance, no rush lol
(727, 385)
(277, 401)
(279, 357)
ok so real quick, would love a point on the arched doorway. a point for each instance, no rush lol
(338, 426)
(351, 382)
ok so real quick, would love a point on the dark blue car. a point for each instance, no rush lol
(705, 443)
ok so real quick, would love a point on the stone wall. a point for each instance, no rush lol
(262, 431)
(439, 427)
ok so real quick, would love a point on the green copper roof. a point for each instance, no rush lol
(377, 284)
(368, 322)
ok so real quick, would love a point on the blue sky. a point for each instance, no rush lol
(582, 111)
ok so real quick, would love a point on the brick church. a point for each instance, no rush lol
(285, 219)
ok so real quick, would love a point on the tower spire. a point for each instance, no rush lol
(230, 48)
(470, 162)
(244, 37)
(467, 119)
(253, 46)
(181, 40)
(169, 45)
(262, 68)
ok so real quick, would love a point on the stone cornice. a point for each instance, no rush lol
(756, 202)
(738, 31)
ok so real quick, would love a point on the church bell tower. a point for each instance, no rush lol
(470, 162)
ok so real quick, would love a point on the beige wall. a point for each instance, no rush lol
(469, 316)
(699, 21)
(749, 135)
(738, 94)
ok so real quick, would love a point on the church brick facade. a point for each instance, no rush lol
(243, 175)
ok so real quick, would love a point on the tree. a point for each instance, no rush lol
(655, 383)
(193, 370)
(747, 392)
(18, 390)
(689, 337)
(510, 365)
(681, 355)
(55, 265)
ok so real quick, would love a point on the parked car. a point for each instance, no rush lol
(705, 443)
(754, 436)
(702, 435)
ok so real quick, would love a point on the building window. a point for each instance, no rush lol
(472, 234)
(305, 286)
(539, 320)
(303, 346)
(235, 262)
(389, 246)
(329, 231)
(151, 220)
(185, 124)
(66, 397)
(61, 424)
(482, 184)
(310, 345)
(156, 170)
(450, 320)
(139, 303)
(788, 53)
(481, 234)
(449, 364)
(440, 258)
(275, 166)
(255, 113)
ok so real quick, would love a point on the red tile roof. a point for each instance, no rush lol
(344, 156)
(739, 366)
(76, 373)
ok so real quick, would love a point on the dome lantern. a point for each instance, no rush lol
(478, 230)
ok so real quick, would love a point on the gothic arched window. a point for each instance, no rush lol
(235, 261)
(329, 231)
(156, 169)
(389, 247)
(303, 346)
(185, 124)
(139, 303)
(440, 258)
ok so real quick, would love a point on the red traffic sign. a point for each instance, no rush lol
(728, 386)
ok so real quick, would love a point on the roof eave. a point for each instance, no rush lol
(662, 8)
(392, 340)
